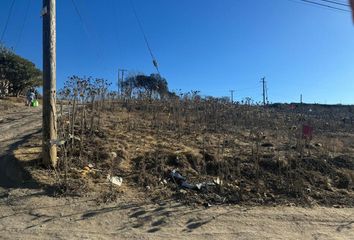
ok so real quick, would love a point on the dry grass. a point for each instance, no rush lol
(256, 152)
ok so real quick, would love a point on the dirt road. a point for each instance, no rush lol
(29, 213)
(16, 125)
(32, 215)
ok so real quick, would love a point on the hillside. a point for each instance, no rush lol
(228, 154)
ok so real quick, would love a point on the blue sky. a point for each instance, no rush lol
(207, 45)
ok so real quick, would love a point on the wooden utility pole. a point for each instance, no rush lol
(49, 148)
(232, 95)
(118, 84)
(264, 90)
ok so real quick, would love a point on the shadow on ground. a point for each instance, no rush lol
(12, 172)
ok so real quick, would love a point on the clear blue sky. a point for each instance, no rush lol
(207, 45)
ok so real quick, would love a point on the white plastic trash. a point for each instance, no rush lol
(115, 180)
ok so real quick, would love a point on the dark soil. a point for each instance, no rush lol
(306, 182)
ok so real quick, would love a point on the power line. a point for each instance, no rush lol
(335, 2)
(7, 20)
(81, 18)
(84, 26)
(118, 35)
(154, 61)
(24, 23)
(245, 89)
(325, 5)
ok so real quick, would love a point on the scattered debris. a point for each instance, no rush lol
(208, 205)
(113, 154)
(182, 182)
(88, 169)
(318, 145)
(74, 137)
(57, 142)
(115, 180)
(218, 181)
(267, 145)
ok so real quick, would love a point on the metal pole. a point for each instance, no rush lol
(120, 80)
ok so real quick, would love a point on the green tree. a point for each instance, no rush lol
(18, 73)
(153, 85)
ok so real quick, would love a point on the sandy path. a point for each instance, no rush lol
(31, 214)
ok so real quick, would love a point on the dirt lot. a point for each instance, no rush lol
(28, 209)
